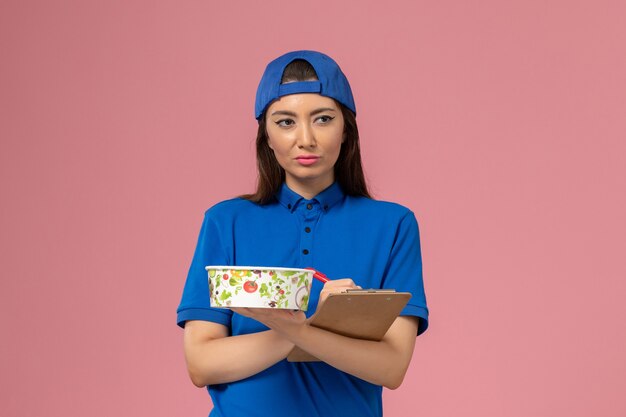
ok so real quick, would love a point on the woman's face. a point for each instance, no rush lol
(305, 131)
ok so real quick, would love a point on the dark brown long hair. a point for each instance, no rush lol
(348, 168)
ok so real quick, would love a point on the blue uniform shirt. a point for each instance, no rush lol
(376, 243)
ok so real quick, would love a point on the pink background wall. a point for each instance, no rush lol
(501, 124)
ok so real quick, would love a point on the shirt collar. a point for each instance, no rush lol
(327, 198)
(330, 196)
(287, 197)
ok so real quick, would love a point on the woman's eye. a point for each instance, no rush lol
(325, 119)
(285, 122)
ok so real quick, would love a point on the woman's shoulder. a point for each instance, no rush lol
(387, 209)
(231, 207)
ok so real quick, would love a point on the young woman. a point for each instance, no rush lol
(311, 208)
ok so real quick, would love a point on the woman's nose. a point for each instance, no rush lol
(306, 137)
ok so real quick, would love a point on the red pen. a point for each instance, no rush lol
(318, 275)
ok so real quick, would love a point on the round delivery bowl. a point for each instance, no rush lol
(259, 286)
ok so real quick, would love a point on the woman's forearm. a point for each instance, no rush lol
(226, 359)
(383, 363)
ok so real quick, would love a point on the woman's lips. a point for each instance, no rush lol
(307, 160)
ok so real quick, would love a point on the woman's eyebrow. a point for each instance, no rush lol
(321, 110)
(285, 112)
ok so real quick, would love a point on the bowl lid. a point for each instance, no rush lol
(247, 268)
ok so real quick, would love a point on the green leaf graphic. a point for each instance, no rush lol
(263, 291)
(305, 302)
(302, 280)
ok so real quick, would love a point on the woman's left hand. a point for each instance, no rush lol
(279, 320)
(335, 286)
(286, 321)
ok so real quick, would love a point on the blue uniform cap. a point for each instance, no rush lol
(331, 81)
